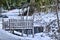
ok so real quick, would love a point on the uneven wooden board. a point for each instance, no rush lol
(19, 24)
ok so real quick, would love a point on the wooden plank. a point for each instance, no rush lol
(14, 23)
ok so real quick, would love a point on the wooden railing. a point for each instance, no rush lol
(18, 24)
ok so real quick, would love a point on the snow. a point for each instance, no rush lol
(19, 33)
(37, 36)
(39, 20)
(41, 36)
(4, 35)
(14, 12)
(44, 19)
(19, 17)
(7, 36)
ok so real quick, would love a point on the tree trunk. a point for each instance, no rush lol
(7, 4)
(0, 10)
(57, 13)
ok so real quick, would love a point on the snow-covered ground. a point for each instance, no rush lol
(15, 12)
(4, 35)
(7, 36)
(39, 20)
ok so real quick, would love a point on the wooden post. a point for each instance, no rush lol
(33, 26)
(22, 17)
(11, 30)
(9, 26)
(22, 31)
(27, 33)
(3, 27)
(33, 32)
(27, 17)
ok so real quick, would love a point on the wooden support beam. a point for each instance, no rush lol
(22, 32)
(3, 24)
(33, 26)
(12, 31)
(33, 32)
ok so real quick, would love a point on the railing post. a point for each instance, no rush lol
(33, 26)
(22, 31)
(3, 27)
(33, 32)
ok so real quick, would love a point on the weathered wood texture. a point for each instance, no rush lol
(18, 24)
